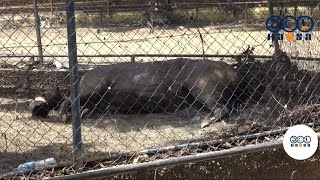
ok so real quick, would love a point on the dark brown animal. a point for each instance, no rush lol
(165, 86)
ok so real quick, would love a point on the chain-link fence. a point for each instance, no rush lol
(159, 80)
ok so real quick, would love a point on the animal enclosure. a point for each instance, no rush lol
(279, 78)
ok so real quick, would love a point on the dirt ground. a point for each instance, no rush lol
(26, 138)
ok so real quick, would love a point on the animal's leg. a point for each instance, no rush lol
(85, 113)
(192, 101)
(88, 105)
(65, 110)
(212, 101)
(218, 113)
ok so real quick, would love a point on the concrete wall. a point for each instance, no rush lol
(24, 83)
(272, 164)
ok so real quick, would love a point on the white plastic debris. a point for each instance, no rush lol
(35, 165)
(61, 65)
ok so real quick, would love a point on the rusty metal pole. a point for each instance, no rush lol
(276, 34)
(38, 31)
(74, 86)
(51, 7)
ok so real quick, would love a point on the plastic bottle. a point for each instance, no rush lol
(36, 165)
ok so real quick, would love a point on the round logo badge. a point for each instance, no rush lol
(300, 142)
(289, 23)
(274, 23)
(305, 23)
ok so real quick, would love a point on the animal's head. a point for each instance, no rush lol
(41, 105)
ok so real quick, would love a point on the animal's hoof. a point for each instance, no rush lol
(66, 118)
(205, 124)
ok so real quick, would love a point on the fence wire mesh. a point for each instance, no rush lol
(159, 79)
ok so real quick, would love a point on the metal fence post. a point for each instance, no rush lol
(276, 34)
(74, 85)
(37, 20)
